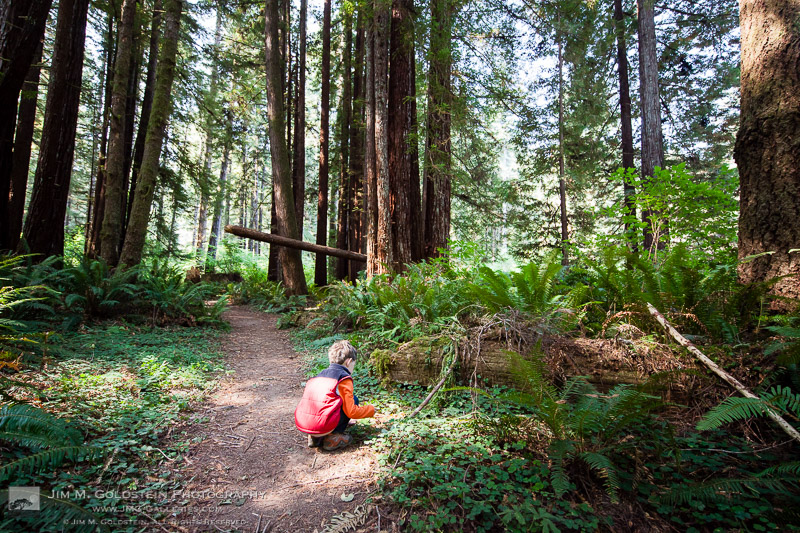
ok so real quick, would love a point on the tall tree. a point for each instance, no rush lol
(159, 116)
(370, 170)
(114, 212)
(652, 137)
(321, 263)
(626, 129)
(147, 104)
(383, 260)
(216, 221)
(205, 175)
(355, 236)
(766, 150)
(21, 31)
(23, 140)
(437, 181)
(299, 164)
(562, 180)
(290, 259)
(345, 119)
(404, 202)
(44, 225)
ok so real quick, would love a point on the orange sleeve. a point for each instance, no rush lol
(348, 404)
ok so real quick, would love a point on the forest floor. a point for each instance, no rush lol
(250, 469)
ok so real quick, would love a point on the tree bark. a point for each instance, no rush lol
(437, 183)
(44, 225)
(403, 187)
(21, 32)
(159, 117)
(23, 139)
(299, 166)
(345, 119)
(370, 170)
(290, 260)
(384, 249)
(626, 127)
(111, 232)
(355, 237)
(652, 138)
(767, 150)
(321, 262)
(147, 105)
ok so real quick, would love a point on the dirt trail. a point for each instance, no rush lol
(252, 470)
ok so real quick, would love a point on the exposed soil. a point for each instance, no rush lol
(251, 469)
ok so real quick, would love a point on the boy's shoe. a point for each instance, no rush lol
(314, 442)
(336, 441)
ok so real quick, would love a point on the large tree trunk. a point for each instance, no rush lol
(290, 260)
(111, 232)
(355, 236)
(625, 120)
(767, 150)
(403, 188)
(23, 139)
(44, 225)
(21, 30)
(321, 262)
(370, 171)
(345, 119)
(438, 157)
(159, 117)
(384, 250)
(147, 105)
(299, 166)
(652, 138)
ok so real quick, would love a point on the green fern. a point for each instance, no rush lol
(52, 516)
(780, 399)
(53, 440)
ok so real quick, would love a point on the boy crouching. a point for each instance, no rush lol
(329, 403)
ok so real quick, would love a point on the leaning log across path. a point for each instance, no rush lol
(293, 243)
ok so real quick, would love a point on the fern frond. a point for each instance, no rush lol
(605, 468)
(49, 458)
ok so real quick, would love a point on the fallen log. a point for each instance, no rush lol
(278, 240)
(730, 380)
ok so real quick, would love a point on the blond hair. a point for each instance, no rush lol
(341, 351)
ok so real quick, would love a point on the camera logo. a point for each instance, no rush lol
(23, 498)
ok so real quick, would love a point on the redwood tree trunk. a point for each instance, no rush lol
(23, 140)
(403, 188)
(111, 232)
(159, 116)
(767, 151)
(384, 249)
(44, 225)
(299, 166)
(437, 145)
(320, 265)
(625, 118)
(21, 30)
(652, 139)
(370, 170)
(356, 228)
(290, 260)
(345, 190)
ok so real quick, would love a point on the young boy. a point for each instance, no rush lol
(328, 401)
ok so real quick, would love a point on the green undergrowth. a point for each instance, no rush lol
(568, 457)
(120, 388)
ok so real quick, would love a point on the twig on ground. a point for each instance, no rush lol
(437, 387)
(251, 443)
